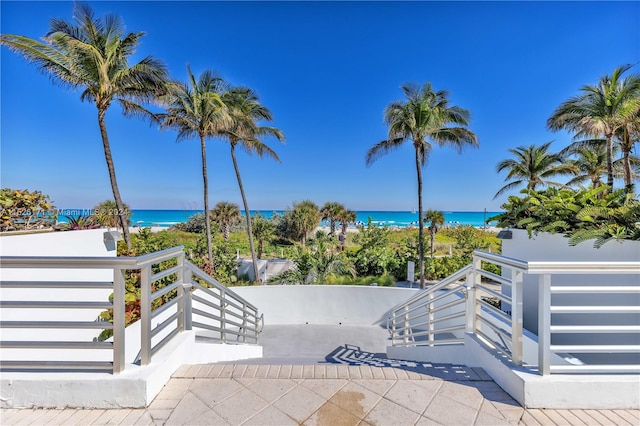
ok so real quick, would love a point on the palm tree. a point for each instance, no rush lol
(629, 135)
(305, 217)
(346, 217)
(436, 220)
(601, 110)
(331, 211)
(106, 214)
(424, 117)
(195, 109)
(93, 54)
(226, 214)
(263, 231)
(245, 111)
(532, 165)
(590, 165)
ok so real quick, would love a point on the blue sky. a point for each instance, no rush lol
(326, 70)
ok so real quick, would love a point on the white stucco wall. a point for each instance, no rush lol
(72, 244)
(554, 247)
(324, 304)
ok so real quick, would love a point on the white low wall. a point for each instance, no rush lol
(72, 244)
(325, 304)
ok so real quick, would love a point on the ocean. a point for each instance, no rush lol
(166, 218)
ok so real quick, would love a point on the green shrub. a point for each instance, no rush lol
(22, 209)
(586, 214)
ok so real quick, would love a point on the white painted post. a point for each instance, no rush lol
(470, 314)
(406, 325)
(257, 324)
(118, 321)
(223, 321)
(145, 315)
(516, 316)
(544, 324)
(432, 326)
(477, 280)
(180, 291)
(245, 314)
(393, 328)
(186, 299)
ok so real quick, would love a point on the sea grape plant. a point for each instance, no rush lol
(24, 209)
(586, 214)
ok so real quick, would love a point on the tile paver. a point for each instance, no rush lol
(326, 394)
(325, 388)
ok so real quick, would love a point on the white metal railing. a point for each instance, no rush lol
(419, 321)
(601, 310)
(170, 318)
(221, 311)
(415, 322)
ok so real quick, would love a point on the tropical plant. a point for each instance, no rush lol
(374, 256)
(424, 117)
(195, 109)
(225, 214)
(76, 223)
(590, 164)
(263, 231)
(533, 165)
(93, 54)
(246, 111)
(629, 135)
(332, 211)
(435, 219)
(24, 209)
(345, 217)
(107, 214)
(302, 220)
(195, 224)
(600, 110)
(317, 264)
(579, 215)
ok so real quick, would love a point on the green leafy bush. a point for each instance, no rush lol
(23, 209)
(586, 214)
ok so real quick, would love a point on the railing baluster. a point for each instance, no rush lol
(145, 315)
(406, 325)
(477, 280)
(544, 324)
(516, 316)
(180, 291)
(118, 320)
(187, 301)
(223, 321)
(470, 314)
(244, 322)
(431, 318)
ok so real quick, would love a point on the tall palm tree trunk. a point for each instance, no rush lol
(433, 236)
(626, 162)
(420, 224)
(205, 180)
(609, 137)
(112, 176)
(254, 259)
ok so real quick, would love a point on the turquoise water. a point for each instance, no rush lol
(385, 218)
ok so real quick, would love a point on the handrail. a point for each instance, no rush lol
(229, 305)
(583, 267)
(158, 326)
(499, 259)
(213, 282)
(456, 276)
(502, 330)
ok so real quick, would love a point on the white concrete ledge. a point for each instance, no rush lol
(135, 387)
(555, 391)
